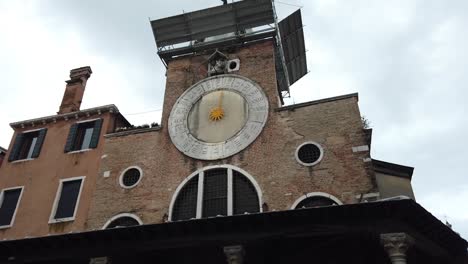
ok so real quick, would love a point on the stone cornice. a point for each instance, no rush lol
(67, 116)
(325, 100)
(393, 169)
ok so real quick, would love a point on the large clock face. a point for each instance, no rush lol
(218, 117)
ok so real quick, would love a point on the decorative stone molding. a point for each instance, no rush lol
(234, 254)
(396, 245)
(100, 260)
(66, 116)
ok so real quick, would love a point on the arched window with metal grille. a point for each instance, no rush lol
(216, 191)
(316, 199)
(123, 220)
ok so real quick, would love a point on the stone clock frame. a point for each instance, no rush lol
(257, 116)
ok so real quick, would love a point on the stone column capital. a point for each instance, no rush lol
(396, 245)
(234, 254)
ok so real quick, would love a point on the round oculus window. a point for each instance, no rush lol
(130, 178)
(309, 153)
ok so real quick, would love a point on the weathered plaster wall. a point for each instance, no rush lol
(41, 176)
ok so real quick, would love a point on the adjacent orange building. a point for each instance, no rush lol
(52, 163)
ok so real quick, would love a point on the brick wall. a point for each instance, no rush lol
(334, 124)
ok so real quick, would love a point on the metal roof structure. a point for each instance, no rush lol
(292, 39)
(236, 24)
(195, 26)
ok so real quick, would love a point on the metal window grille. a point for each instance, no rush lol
(315, 201)
(245, 198)
(8, 206)
(131, 177)
(123, 222)
(185, 206)
(68, 199)
(309, 153)
(215, 193)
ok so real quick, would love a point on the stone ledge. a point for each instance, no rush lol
(66, 116)
(132, 132)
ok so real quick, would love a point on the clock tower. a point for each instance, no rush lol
(222, 83)
(226, 144)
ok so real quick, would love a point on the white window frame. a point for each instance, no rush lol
(87, 120)
(296, 154)
(123, 173)
(17, 204)
(53, 220)
(315, 194)
(115, 217)
(201, 175)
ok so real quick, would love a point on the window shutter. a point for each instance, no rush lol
(68, 199)
(40, 141)
(8, 206)
(96, 133)
(16, 147)
(71, 138)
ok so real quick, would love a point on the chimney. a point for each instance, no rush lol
(74, 90)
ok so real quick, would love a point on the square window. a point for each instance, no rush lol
(83, 135)
(66, 201)
(9, 200)
(27, 145)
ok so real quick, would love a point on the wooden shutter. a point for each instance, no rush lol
(96, 133)
(16, 147)
(39, 142)
(8, 206)
(68, 199)
(71, 138)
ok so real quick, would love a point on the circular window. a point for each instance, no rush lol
(233, 65)
(309, 153)
(130, 177)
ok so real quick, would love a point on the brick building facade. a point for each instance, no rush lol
(334, 123)
(261, 182)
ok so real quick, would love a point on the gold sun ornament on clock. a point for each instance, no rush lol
(217, 113)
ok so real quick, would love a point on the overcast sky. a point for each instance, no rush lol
(407, 59)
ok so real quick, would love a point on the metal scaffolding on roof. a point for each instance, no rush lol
(233, 25)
